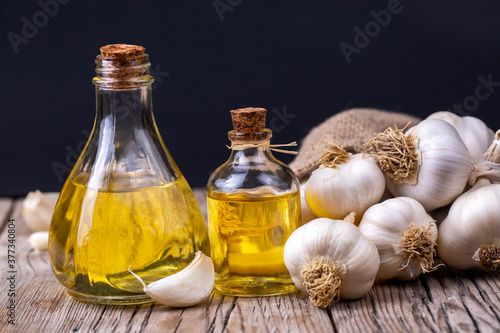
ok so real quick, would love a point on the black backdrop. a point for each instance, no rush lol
(302, 60)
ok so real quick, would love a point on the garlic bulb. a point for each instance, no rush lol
(305, 212)
(469, 237)
(328, 259)
(39, 240)
(473, 131)
(38, 208)
(450, 117)
(430, 163)
(405, 236)
(344, 183)
(188, 287)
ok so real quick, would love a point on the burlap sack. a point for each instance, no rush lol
(351, 128)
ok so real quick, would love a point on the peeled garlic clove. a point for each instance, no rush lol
(188, 287)
(38, 208)
(39, 240)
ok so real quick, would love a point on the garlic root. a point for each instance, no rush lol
(323, 280)
(419, 243)
(396, 154)
(488, 257)
(188, 287)
(333, 155)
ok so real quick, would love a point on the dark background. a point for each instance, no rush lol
(272, 54)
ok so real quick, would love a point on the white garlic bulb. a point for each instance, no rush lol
(305, 212)
(469, 237)
(405, 236)
(430, 163)
(188, 287)
(475, 134)
(450, 117)
(38, 208)
(344, 183)
(39, 240)
(328, 259)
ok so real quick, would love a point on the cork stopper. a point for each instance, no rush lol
(122, 51)
(122, 67)
(249, 120)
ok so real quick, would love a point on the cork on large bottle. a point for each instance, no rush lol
(122, 67)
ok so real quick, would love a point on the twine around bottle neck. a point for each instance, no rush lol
(263, 144)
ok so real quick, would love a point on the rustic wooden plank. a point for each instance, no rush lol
(289, 313)
(442, 301)
(458, 299)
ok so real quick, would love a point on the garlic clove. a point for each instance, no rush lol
(188, 287)
(38, 208)
(39, 240)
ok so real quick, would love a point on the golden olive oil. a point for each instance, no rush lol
(96, 235)
(247, 237)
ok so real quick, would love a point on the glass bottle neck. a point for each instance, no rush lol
(125, 110)
(250, 152)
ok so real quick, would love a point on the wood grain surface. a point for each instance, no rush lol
(442, 301)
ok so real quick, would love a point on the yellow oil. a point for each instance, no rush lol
(95, 235)
(247, 237)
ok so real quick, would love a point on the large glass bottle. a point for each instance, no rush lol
(253, 207)
(125, 202)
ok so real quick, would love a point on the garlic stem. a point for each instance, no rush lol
(323, 281)
(333, 155)
(397, 154)
(351, 218)
(419, 244)
(493, 153)
(491, 167)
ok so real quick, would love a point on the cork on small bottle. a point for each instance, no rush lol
(249, 120)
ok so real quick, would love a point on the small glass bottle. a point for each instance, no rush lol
(253, 207)
(125, 203)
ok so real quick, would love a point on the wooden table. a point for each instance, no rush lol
(442, 301)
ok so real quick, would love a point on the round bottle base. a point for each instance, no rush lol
(111, 300)
(254, 287)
